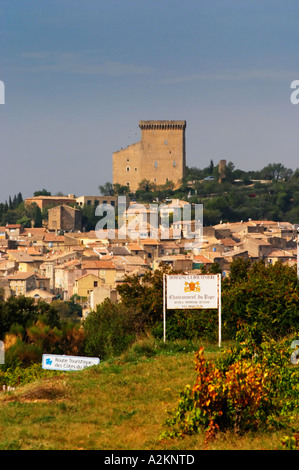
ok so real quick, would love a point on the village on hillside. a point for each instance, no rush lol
(60, 261)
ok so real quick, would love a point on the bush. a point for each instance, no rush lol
(267, 296)
(19, 375)
(109, 330)
(249, 387)
(189, 324)
(21, 353)
(27, 345)
(23, 311)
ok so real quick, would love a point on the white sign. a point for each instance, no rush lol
(56, 362)
(192, 291)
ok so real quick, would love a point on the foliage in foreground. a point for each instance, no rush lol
(251, 386)
(261, 295)
(14, 376)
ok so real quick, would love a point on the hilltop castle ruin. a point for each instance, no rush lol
(160, 156)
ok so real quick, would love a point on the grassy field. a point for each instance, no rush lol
(118, 405)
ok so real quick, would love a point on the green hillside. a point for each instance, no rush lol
(119, 405)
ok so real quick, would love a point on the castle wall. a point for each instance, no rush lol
(163, 151)
(126, 166)
(159, 156)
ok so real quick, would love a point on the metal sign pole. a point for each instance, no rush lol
(219, 308)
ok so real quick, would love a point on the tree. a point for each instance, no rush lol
(19, 198)
(265, 296)
(145, 296)
(229, 172)
(107, 189)
(23, 311)
(121, 189)
(109, 330)
(146, 186)
(42, 192)
(239, 269)
(276, 171)
(37, 217)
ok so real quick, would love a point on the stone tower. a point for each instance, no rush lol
(160, 156)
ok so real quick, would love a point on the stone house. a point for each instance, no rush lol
(85, 284)
(103, 269)
(21, 282)
(64, 218)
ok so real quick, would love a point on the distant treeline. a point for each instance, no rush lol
(271, 193)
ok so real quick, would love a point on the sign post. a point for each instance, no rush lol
(219, 309)
(2, 353)
(164, 309)
(188, 291)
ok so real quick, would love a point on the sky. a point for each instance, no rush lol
(80, 74)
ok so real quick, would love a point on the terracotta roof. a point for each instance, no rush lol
(228, 242)
(119, 250)
(21, 256)
(33, 230)
(50, 198)
(149, 241)
(68, 264)
(13, 226)
(277, 252)
(30, 250)
(51, 237)
(92, 234)
(135, 247)
(98, 264)
(19, 276)
(202, 259)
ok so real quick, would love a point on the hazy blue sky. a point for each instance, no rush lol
(80, 74)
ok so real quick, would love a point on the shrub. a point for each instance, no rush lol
(109, 330)
(18, 375)
(263, 295)
(189, 324)
(21, 353)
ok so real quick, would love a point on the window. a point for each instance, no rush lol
(95, 283)
(156, 164)
(128, 168)
(174, 163)
(165, 142)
